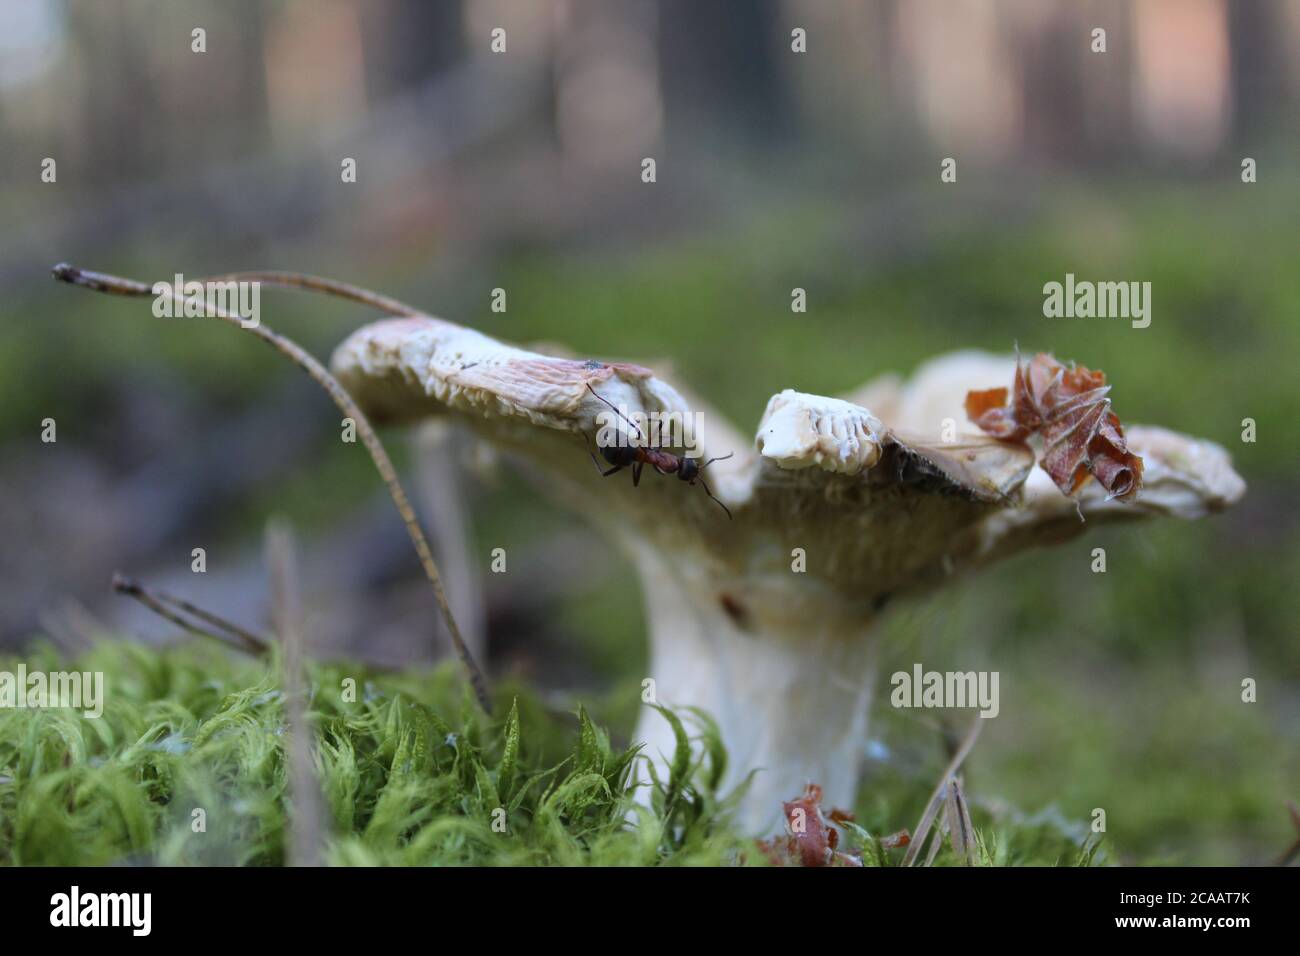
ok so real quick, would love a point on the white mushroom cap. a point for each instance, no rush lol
(864, 489)
(806, 431)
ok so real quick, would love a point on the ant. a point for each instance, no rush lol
(666, 463)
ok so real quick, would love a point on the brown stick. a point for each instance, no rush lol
(310, 283)
(115, 285)
(1294, 849)
(156, 601)
(939, 794)
(304, 844)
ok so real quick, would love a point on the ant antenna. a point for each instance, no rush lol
(617, 412)
(705, 486)
(719, 458)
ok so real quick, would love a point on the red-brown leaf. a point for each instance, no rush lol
(810, 840)
(1070, 408)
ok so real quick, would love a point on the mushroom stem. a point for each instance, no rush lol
(790, 695)
(116, 285)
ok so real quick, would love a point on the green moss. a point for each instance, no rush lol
(411, 774)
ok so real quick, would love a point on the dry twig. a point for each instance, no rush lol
(173, 609)
(286, 604)
(115, 285)
(937, 801)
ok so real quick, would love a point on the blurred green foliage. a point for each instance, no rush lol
(1122, 690)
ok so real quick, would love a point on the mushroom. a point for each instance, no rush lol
(840, 505)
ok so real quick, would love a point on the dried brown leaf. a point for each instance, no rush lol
(1069, 406)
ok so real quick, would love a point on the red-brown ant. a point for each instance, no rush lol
(623, 456)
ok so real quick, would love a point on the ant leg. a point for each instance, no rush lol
(636, 473)
(705, 486)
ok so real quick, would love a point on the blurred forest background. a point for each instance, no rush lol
(774, 170)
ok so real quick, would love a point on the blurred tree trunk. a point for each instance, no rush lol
(109, 47)
(720, 60)
(1256, 34)
(408, 41)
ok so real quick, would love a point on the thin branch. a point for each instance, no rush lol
(442, 491)
(940, 792)
(286, 603)
(115, 285)
(310, 283)
(1294, 849)
(156, 601)
(958, 823)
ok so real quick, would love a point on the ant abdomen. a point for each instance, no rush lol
(622, 455)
